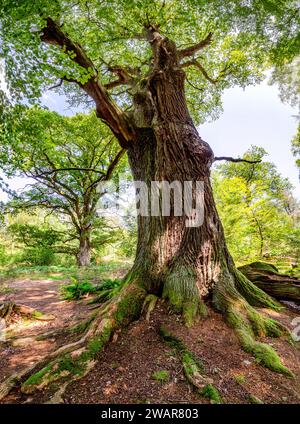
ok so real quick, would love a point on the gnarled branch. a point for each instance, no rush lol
(189, 51)
(106, 109)
(197, 64)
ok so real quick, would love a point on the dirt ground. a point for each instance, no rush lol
(124, 370)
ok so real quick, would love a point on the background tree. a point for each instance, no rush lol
(159, 89)
(259, 214)
(65, 159)
(296, 146)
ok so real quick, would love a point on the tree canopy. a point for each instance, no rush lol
(221, 44)
(65, 159)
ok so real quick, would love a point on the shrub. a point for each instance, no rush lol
(77, 289)
(38, 256)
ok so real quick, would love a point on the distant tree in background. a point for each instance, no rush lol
(260, 216)
(296, 147)
(65, 159)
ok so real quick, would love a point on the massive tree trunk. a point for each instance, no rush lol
(84, 252)
(188, 264)
(184, 263)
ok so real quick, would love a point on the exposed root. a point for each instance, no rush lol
(193, 369)
(7, 385)
(74, 329)
(182, 293)
(75, 359)
(58, 396)
(149, 304)
(249, 323)
(253, 294)
(9, 309)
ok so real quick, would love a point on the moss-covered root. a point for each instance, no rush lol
(212, 393)
(74, 360)
(248, 324)
(193, 369)
(181, 291)
(149, 305)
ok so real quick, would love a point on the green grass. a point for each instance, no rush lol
(58, 272)
(5, 289)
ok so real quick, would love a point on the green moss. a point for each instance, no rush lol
(82, 326)
(149, 305)
(240, 378)
(202, 308)
(191, 364)
(68, 364)
(253, 294)
(263, 326)
(212, 393)
(161, 376)
(97, 343)
(37, 314)
(263, 353)
(254, 399)
(267, 356)
(259, 266)
(190, 312)
(248, 323)
(193, 310)
(130, 306)
(180, 286)
(37, 378)
(75, 367)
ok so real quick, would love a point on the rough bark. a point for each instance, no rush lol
(84, 252)
(183, 263)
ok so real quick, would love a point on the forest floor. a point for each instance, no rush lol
(125, 370)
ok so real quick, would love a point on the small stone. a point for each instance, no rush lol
(246, 362)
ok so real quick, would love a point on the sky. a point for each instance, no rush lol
(252, 116)
(256, 116)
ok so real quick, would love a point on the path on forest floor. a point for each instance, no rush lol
(44, 296)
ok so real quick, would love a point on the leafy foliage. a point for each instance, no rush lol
(247, 37)
(78, 289)
(259, 213)
(296, 146)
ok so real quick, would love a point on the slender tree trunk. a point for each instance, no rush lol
(84, 252)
